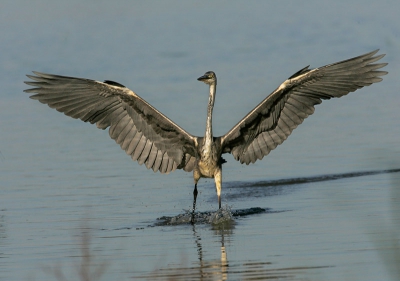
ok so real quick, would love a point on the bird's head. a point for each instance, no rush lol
(209, 78)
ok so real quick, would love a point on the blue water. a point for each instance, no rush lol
(65, 186)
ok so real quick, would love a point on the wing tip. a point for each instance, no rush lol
(373, 52)
(113, 83)
(301, 71)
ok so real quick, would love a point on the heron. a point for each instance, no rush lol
(151, 138)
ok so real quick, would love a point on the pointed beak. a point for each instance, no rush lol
(202, 78)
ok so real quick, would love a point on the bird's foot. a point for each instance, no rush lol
(192, 220)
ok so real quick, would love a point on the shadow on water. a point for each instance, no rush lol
(285, 186)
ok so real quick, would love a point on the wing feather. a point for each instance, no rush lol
(170, 165)
(164, 164)
(145, 153)
(271, 140)
(142, 131)
(128, 139)
(158, 161)
(120, 125)
(134, 143)
(139, 148)
(124, 132)
(272, 121)
(190, 161)
(152, 157)
(263, 145)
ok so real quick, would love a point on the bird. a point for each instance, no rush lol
(151, 138)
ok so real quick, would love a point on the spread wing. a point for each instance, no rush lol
(273, 120)
(142, 131)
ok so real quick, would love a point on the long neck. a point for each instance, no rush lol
(211, 99)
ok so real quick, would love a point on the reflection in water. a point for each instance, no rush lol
(223, 229)
(205, 270)
(217, 269)
(220, 269)
(222, 223)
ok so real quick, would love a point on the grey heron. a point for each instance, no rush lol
(150, 137)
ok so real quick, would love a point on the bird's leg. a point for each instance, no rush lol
(194, 201)
(218, 185)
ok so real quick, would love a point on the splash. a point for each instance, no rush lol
(225, 215)
(222, 216)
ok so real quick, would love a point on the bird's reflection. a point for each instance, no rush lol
(224, 259)
(214, 269)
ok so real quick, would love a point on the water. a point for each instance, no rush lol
(322, 206)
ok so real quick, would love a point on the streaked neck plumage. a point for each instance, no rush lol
(211, 99)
